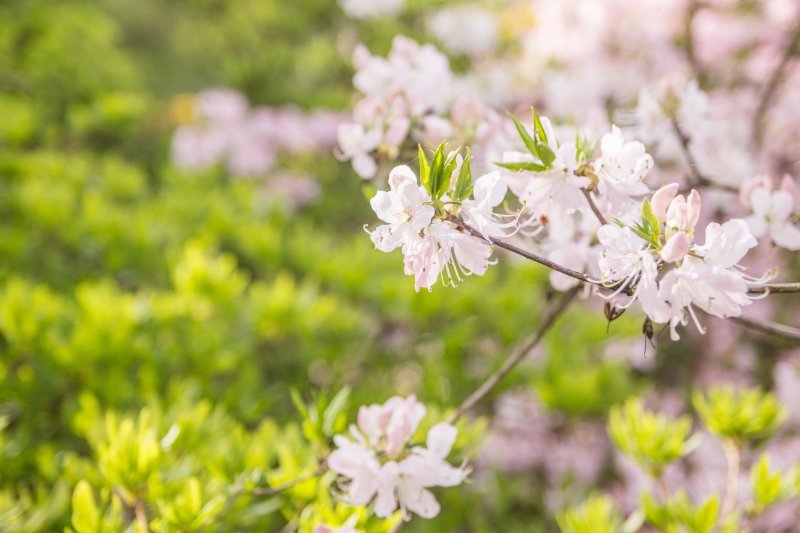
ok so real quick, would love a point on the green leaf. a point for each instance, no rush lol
(650, 223)
(333, 410)
(298, 402)
(424, 167)
(85, 516)
(650, 439)
(518, 167)
(450, 165)
(596, 515)
(526, 137)
(436, 172)
(740, 415)
(538, 128)
(464, 182)
(546, 155)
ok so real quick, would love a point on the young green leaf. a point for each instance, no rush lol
(436, 172)
(85, 515)
(424, 167)
(538, 128)
(464, 182)
(522, 165)
(546, 155)
(650, 223)
(530, 144)
(450, 165)
(333, 410)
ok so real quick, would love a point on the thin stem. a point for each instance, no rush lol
(775, 288)
(772, 86)
(770, 328)
(516, 357)
(698, 179)
(277, 489)
(141, 515)
(529, 255)
(733, 459)
(594, 207)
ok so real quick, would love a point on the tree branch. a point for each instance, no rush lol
(516, 357)
(552, 265)
(775, 288)
(768, 327)
(698, 179)
(772, 86)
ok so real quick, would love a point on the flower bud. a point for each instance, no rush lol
(676, 248)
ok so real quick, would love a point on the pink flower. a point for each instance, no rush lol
(676, 247)
(392, 424)
(384, 431)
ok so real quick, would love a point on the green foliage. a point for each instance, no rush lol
(746, 415)
(596, 515)
(651, 439)
(679, 514)
(770, 487)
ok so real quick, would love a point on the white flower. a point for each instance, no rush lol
(359, 464)
(447, 252)
(622, 166)
(405, 209)
(772, 214)
(355, 143)
(406, 483)
(465, 29)
(726, 244)
(488, 192)
(368, 9)
(557, 184)
(407, 472)
(718, 291)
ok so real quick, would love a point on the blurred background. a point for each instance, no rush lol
(164, 288)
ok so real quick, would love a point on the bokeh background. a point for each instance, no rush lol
(157, 309)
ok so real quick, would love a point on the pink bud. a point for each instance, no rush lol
(661, 200)
(694, 209)
(676, 248)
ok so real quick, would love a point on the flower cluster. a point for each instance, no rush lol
(410, 94)
(446, 225)
(424, 219)
(226, 130)
(381, 462)
(773, 210)
(656, 260)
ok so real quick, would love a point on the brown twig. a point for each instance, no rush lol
(775, 288)
(772, 86)
(516, 357)
(552, 265)
(141, 515)
(698, 179)
(768, 327)
(595, 209)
